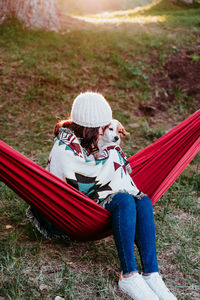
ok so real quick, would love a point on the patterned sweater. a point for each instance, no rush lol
(96, 178)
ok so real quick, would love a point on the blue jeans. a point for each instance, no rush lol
(133, 221)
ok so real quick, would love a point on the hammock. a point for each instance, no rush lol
(154, 170)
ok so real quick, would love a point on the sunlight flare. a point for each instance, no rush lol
(118, 20)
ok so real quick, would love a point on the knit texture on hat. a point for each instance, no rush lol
(91, 110)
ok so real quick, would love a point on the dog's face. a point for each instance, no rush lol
(113, 133)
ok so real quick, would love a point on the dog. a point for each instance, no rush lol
(111, 134)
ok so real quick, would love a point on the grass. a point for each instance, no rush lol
(40, 74)
(162, 11)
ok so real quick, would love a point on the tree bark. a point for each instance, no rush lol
(34, 13)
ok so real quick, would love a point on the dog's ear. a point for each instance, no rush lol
(63, 123)
(103, 129)
(122, 131)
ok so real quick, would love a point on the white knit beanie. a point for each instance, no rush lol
(91, 110)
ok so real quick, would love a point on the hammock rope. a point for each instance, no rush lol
(155, 168)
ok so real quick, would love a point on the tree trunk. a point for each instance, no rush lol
(35, 13)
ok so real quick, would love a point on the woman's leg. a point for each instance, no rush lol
(123, 211)
(133, 221)
(145, 237)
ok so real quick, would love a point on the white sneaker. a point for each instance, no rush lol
(136, 288)
(157, 285)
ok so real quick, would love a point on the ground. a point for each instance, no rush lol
(149, 72)
(178, 77)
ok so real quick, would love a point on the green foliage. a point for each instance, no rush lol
(195, 57)
(151, 134)
(174, 7)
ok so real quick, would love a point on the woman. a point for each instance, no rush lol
(107, 179)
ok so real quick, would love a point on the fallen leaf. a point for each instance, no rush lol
(134, 125)
(43, 288)
(9, 226)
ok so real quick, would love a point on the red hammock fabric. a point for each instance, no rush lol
(154, 170)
